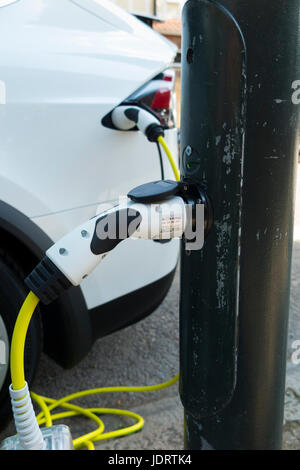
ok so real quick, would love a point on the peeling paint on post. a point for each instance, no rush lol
(213, 104)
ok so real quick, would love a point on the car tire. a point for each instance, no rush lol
(12, 295)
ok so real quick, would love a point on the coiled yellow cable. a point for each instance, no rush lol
(48, 404)
(87, 440)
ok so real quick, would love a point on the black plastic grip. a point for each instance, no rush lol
(47, 281)
(154, 131)
(111, 229)
(132, 114)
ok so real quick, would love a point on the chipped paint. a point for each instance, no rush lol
(224, 231)
(229, 152)
(278, 236)
(218, 140)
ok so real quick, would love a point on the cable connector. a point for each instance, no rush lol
(29, 434)
(47, 281)
(126, 118)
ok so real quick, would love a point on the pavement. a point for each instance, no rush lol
(147, 353)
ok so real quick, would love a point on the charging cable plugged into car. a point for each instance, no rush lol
(159, 210)
(128, 117)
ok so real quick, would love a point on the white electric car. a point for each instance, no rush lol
(64, 66)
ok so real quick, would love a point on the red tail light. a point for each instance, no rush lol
(158, 96)
(161, 100)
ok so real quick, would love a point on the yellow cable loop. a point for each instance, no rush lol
(164, 145)
(48, 404)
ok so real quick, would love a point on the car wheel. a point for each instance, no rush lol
(12, 295)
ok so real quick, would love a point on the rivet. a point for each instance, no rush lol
(85, 234)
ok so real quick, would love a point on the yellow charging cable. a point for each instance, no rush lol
(18, 341)
(92, 413)
(48, 404)
(164, 145)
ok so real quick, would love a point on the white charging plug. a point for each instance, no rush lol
(128, 117)
(76, 255)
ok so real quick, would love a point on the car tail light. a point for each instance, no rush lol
(158, 95)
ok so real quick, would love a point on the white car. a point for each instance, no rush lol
(64, 66)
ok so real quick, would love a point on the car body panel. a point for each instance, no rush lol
(65, 67)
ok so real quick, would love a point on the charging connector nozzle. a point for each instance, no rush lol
(127, 118)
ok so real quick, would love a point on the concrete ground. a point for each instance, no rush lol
(147, 353)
